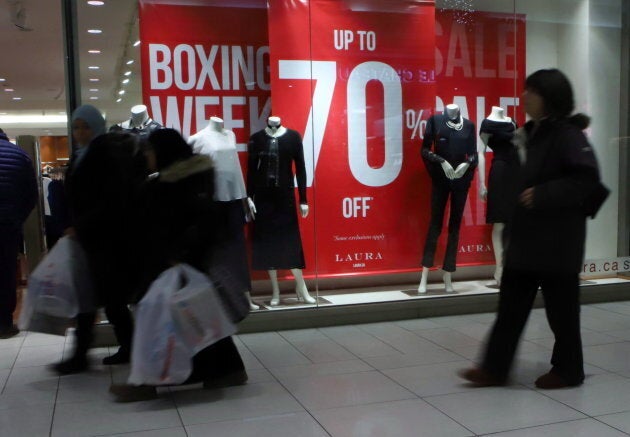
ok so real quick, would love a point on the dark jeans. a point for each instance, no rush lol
(562, 305)
(9, 241)
(440, 194)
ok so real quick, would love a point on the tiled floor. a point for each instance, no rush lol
(382, 379)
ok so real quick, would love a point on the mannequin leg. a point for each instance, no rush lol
(497, 246)
(448, 284)
(252, 305)
(458, 202)
(300, 287)
(422, 288)
(275, 290)
(439, 197)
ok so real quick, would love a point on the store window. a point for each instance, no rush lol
(365, 86)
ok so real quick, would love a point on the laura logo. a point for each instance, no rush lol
(358, 256)
(475, 248)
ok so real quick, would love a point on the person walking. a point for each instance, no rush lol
(18, 195)
(558, 179)
(100, 188)
(182, 224)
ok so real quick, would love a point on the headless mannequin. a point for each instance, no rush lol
(496, 114)
(216, 124)
(139, 116)
(275, 129)
(455, 121)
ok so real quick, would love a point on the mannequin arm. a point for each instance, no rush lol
(448, 169)
(483, 191)
(303, 210)
(461, 170)
(250, 209)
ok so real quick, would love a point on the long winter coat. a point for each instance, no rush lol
(179, 217)
(561, 167)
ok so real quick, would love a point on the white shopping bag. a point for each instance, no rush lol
(59, 287)
(199, 315)
(171, 326)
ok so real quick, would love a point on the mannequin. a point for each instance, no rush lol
(496, 132)
(139, 123)
(451, 166)
(276, 234)
(230, 200)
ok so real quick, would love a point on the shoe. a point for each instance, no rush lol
(9, 332)
(133, 393)
(74, 364)
(551, 381)
(231, 379)
(480, 378)
(119, 357)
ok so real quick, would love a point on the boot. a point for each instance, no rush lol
(78, 362)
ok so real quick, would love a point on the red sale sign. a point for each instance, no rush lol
(358, 82)
(199, 60)
(346, 85)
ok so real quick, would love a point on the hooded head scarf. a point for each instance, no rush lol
(169, 146)
(92, 117)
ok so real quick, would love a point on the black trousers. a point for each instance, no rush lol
(9, 240)
(215, 361)
(562, 306)
(440, 194)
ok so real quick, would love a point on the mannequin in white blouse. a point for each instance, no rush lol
(220, 144)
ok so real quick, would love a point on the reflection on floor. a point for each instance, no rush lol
(381, 379)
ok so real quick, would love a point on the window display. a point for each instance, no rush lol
(451, 166)
(231, 200)
(369, 87)
(497, 132)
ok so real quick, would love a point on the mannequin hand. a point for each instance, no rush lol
(448, 170)
(526, 198)
(303, 210)
(251, 209)
(461, 170)
(483, 193)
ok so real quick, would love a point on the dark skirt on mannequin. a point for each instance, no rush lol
(276, 233)
(499, 192)
(230, 251)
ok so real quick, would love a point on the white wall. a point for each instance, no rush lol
(587, 47)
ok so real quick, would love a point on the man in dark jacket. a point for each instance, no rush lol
(18, 194)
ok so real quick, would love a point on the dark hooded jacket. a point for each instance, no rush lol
(561, 167)
(178, 214)
(18, 185)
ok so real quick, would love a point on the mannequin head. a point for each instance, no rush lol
(452, 111)
(273, 121)
(216, 123)
(139, 114)
(87, 124)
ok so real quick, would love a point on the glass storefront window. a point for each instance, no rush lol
(370, 87)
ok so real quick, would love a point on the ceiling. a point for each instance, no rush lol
(33, 62)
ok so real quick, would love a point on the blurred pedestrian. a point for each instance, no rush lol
(18, 195)
(181, 225)
(101, 184)
(558, 178)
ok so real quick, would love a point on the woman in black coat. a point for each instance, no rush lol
(181, 225)
(101, 183)
(546, 235)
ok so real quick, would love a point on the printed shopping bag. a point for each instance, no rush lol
(158, 355)
(198, 312)
(59, 287)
